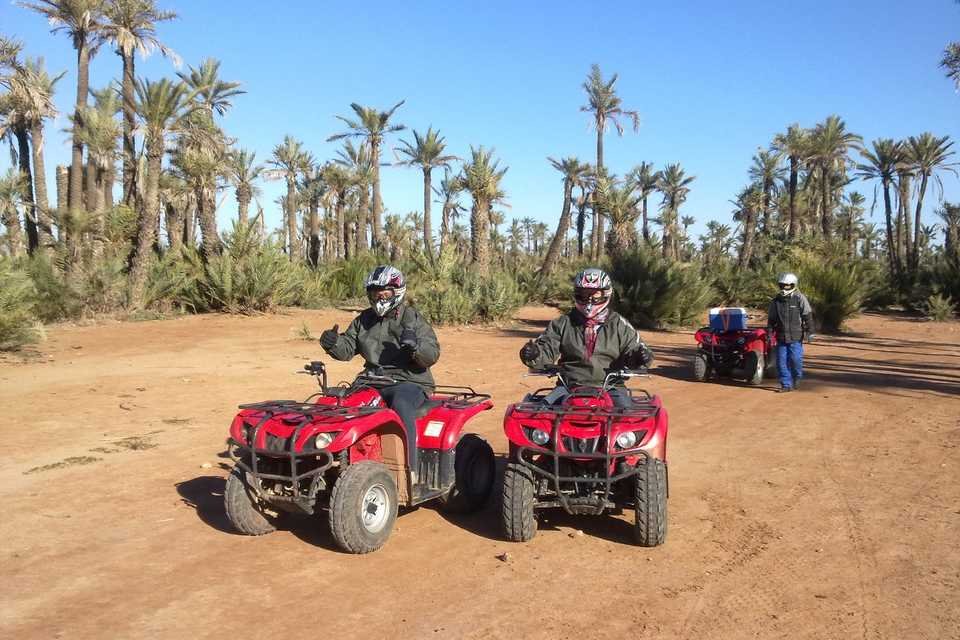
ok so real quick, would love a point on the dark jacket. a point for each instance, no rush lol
(564, 339)
(790, 317)
(378, 341)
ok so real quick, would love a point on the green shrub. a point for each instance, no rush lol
(752, 288)
(653, 293)
(939, 308)
(836, 291)
(102, 288)
(53, 300)
(17, 293)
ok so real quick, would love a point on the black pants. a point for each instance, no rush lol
(405, 398)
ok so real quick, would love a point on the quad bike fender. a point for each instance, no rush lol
(442, 426)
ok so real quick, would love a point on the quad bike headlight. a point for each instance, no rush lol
(323, 440)
(627, 439)
(539, 437)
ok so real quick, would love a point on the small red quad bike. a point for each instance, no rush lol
(583, 454)
(743, 354)
(343, 451)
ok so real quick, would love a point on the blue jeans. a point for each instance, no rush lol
(792, 370)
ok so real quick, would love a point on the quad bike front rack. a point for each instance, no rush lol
(642, 408)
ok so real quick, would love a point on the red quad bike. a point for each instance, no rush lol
(743, 354)
(586, 456)
(342, 450)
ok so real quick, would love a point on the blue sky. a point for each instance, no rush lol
(712, 81)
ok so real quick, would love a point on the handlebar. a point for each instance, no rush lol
(554, 371)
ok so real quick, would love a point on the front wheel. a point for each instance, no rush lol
(244, 510)
(518, 518)
(700, 367)
(363, 507)
(650, 528)
(475, 470)
(754, 367)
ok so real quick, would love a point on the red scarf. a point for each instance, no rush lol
(590, 329)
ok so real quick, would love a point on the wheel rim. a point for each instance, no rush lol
(375, 508)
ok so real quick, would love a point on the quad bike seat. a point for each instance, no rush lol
(427, 407)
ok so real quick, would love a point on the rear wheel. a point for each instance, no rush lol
(244, 510)
(754, 367)
(700, 367)
(650, 528)
(475, 472)
(363, 507)
(518, 518)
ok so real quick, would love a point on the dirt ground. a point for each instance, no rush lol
(833, 512)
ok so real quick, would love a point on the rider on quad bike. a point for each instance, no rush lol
(391, 334)
(590, 340)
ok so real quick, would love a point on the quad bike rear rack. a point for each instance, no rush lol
(642, 408)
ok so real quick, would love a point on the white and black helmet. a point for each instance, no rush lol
(787, 282)
(385, 278)
(586, 284)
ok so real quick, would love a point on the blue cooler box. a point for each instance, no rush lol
(728, 319)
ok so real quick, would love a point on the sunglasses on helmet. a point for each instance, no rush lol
(786, 286)
(380, 295)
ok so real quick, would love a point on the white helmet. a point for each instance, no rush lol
(386, 288)
(787, 283)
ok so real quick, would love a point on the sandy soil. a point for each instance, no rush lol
(833, 512)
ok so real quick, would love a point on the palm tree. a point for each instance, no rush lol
(748, 204)
(372, 125)
(870, 235)
(767, 172)
(926, 154)
(829, 145)
(480, 177)
(163, 107)
(82, 20)
(290, 160)
(313, 188)
(644, 180)
(243, 172)
(340, 181)
(950, 214)
(426, 152)
(12, 188)
(674, 184)
(606, 107)
(573, 172)
(620, 206)
(357, 159)
(99, 132)
(31, 102)
(795, 145)
(130, 25)
(881, 164)
(583, 201)
(515, 237)
(716, 241)
(449, 190)
(212, 93)
(853, 219)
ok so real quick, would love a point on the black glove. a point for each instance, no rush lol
(529, 352)
(408, 340)
(641, 358)
(328, 339)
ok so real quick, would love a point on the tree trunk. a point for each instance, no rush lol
(243, 207)
(794, 174)
(915, 255)
(377, 240)
(906, 236)
(98, 230)
(44, 219)
(129, 124)
(90, 185)
(314, 223)
(581, 222)
(827, 219)
(293, 243)
(30, 208)
(207, 214)
(444, 226)
(749, 231)
(109, 177)
(553, 253)
(363, 219)
(145, 227)
(480, 237)
(595, 232)
(190, 226)
(601, 125)
(76, 161)
(646, 221)
(174, 227)
(427, 226)
(341, 245)
(892, 257)
(11, 220)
